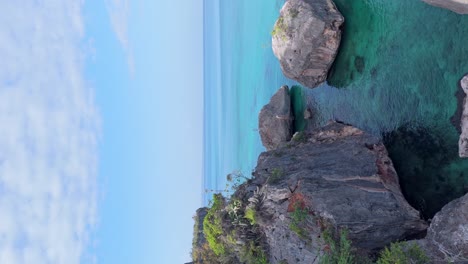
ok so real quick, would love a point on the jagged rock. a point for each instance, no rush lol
(306, 38)
(457, 6)
(276, 120)
(463, 141)
(343, 177)
(447, 236)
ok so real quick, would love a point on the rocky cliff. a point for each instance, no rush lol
(343, 178)
(308, 193)
(457, 6)
(322, 182)
(306, 38)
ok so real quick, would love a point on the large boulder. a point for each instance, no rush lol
(463, 141)
(344, 179)
(275, 121)
(447, 236)
(306, 38)
(457, 6)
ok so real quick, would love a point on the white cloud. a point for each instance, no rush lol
(119, 12)
(48, 134)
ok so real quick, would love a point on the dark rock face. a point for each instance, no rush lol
(341, 176)
(463, 141)
(457, 6)
(447, 236)
(306, 38)
(199, 238)
(276, 120)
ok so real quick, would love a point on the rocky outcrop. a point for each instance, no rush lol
(463, 141)
(306, 38)
(457, 6)
(276, 119)
(447, 236)
(199, 237)
(344, 178)
(199, 243)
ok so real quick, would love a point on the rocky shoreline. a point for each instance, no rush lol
(339, 178)
(329, 191)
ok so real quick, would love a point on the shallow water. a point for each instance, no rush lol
(395, 76)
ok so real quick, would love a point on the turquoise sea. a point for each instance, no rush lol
(395, 76)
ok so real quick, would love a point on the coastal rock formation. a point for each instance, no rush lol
(276, 119)
(463, 141)
(447, 236)
(198, 228)
(343, 178)
(457, 6)
(199, 243)
(306, 38)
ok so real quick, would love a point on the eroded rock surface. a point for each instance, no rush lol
(306, 38)
(447, 236)
(463, 141)
(344, 178)
(275, 122)
(457, 6)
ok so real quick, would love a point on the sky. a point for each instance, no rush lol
(101, 108)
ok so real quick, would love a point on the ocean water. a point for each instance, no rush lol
(395, 76)
(241, 74)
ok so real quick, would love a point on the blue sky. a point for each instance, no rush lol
(101, 150)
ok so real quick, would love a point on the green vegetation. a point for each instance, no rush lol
(232, 233)
(340, 251)
(279, 30)
(300, 137)
(402, 253)
(337, 252)
(250, 215)
(275, 176)
(212, 225)
(253, 254)
(298, 222)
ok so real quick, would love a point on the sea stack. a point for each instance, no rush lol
(463, 141)
(306, 38)
(275, 121)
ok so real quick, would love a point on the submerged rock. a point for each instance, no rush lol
(307, 113)
(457, 6)
(306, 38)
(447, 236)
(275, 122)
(463, 141)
